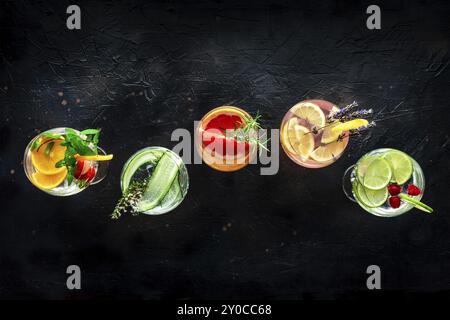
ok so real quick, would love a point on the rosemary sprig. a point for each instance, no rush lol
(247, 131)
(129, 199)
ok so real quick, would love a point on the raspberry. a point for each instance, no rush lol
(394, 189)
(394, 202)
(413, 190)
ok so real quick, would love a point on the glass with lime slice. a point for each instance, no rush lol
(366, 182)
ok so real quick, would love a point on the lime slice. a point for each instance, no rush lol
(377, 175)
(400, 164)
(371, 198)
(419, 205)
(362, 165)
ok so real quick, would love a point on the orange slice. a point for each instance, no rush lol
(45, 163)
(49, 181)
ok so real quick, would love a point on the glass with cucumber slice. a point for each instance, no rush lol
(386, 182)
(154, 181)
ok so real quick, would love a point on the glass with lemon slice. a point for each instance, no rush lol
(41, 159)
(368, 183)
(308, 139)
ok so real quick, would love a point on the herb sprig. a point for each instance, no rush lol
(345, 114)
(248, 131)
(129, 199)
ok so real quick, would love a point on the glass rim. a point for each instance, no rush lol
(140, 151)
(408, 206)
(27, 154)
(223, 166)
(293, 157)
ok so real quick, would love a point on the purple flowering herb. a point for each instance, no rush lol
(342, 112)
(356, 114)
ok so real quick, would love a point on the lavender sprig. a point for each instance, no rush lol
(356, 132)
(356, 114)
(362, 129)
(333, 116)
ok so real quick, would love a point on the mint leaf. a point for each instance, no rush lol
(35, 145)
(90, 131)
(49, 148)
(82, 143)
(95, 138)
(60, 163)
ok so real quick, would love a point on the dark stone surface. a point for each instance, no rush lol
(140, 69)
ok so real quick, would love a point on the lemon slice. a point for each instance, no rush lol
(45, 162)
(328, 152)
(329, 135)
(310, 112)
(301, 140)
(95, 158)
(285, 136)
(49, 181)
(350, 125)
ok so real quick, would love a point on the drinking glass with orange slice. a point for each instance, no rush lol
(227, 138)
(315, 133)
(64, 161)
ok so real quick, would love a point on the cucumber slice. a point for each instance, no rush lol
(136, 161)
(173, 195)
(160, 182)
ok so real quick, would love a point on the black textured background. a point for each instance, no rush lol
(143, 68)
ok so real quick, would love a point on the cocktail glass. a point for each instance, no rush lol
(372, 200)
(161, 176)
(63, 188)
(218, 149)
(305, 134)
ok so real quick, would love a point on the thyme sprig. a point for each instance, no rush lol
(129, 199)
